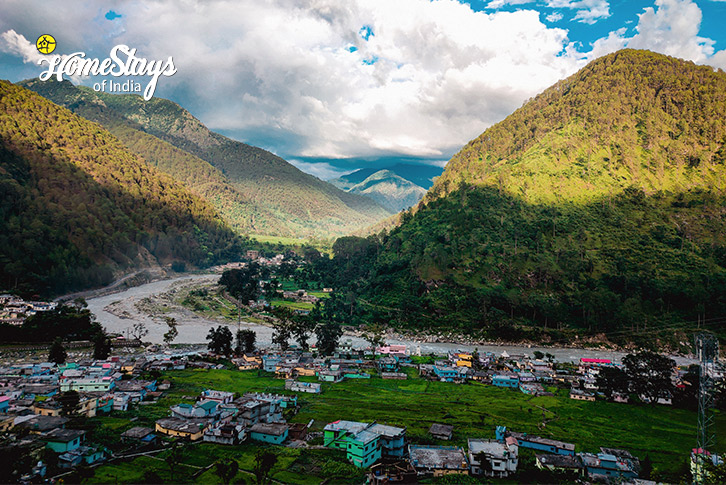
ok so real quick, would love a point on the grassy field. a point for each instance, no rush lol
(664, 433)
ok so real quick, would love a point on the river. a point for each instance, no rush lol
(193, 328)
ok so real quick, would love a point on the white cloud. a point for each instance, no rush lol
(587, 11)
(14, 43)
(495, 4)
(283, 69)
(554, 17)
(671, 28)
(444, 73)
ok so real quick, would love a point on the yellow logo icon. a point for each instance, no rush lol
(45, 44)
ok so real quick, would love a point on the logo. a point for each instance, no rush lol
(45, 44)
(122, 62)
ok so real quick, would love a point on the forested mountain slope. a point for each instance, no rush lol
(599, 206)
(256, 191)
(77, 205)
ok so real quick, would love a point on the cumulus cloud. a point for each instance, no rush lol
(16, 44)
(554, 17)
(586, 11)
(361, 78)
(670, 28)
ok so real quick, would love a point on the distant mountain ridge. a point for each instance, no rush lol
(397, 188)
(256, 191)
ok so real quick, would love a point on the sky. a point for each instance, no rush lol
(336, 85)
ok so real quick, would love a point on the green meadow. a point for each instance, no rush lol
(665, 434)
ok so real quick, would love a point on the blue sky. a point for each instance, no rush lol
(333, 86)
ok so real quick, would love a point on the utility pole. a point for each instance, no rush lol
(707, 353)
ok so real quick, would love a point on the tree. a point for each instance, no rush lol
(612, 380)
(172, 333)
(281, 333)
(69, 401)
(220, 340)
(246, 341)
(328, 335)
(57, 353)
(139, 331)
(538, 355)
(226, 470)
(174, 457)
(101, 346)
(264, 461)
(650, 375)
(374, 335)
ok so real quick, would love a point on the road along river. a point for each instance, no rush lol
(193, 328)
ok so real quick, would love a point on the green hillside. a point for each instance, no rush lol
(599, 207)
(78, 206)
(254, 190)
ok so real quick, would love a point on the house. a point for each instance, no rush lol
(580, 395)
(532, 388)
(226, 434)
(140, 434)
(191, 429)
(438, 460)
(449, 374)
(274, 433)
(64, 440)
(399, 350)
(204, 409)
(387, 364)
(88, 384)
(392, 439)
(5, 403)
(82, 455)
(253, 410)
(362, 446)
(586, 364)
(493, 458)
(40, 424)
(401, 376)
(49, 407)
(536, 443)
(220, 397)
(610, 463)
(441, 431)
(297, 386)
(560, 463)
(332, 375)
(505, 380)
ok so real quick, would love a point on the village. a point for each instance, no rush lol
(42, 406)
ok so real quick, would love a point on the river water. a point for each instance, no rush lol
(193, 328)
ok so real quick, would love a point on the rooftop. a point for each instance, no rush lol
(64, 435)
(274, 429)
(438, 457)
(490, 447)
(560, 461)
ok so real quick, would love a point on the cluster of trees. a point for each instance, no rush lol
(76, 203)
(625, 268)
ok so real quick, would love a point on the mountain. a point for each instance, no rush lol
(396, 188)
(599, 207)
(77, 206)
(255, 191)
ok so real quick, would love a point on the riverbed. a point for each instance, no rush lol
(193, 328)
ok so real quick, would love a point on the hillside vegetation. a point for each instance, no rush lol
(255, 191)
(77, 205)
(598, 207)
